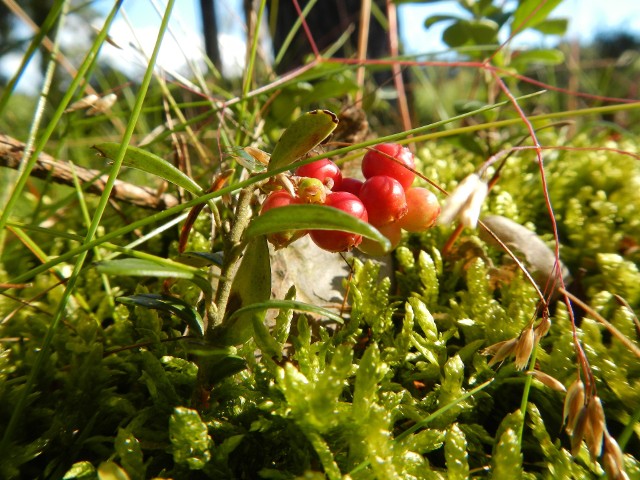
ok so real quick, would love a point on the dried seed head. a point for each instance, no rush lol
(595, 426)
(543, 327)
(612, 459)
(524, 348)
(502, 350)
(547, 380)
(573, 403)
(82, 103)
(465, 202)
(103, 104)
(471, 211)
(578, 431)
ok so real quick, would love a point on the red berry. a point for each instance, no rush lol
(278, 199)
(338, 241)
(423, 210)
(391, 230)
(377, 162)
(324, 170)
(351, 185)
(384, 199)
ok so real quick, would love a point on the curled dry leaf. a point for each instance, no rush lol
(547, 380)
(259, 155)
(573, 403)
(524, 348)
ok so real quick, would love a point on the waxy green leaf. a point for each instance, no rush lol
(150, 163)
(305, 217)
(165, 303)
(305, 133)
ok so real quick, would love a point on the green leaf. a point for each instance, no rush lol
(483, 31)
(305, 133)
(455, 453)
(165, 303)
(190, 438)
(251, 285)
(543, 57)
(289, 305)
(305, 217)
(432, 20)
(111, 471)
(457, 34)
(128, 449)
(553, 26)
(370, 371)
(263, 338)
(506, 461)
(525, 13)
(80, 471)
(148, 162)
(201, 259)
(139, 267)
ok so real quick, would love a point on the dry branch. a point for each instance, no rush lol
(12, 150)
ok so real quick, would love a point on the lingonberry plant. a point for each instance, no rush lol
(500, 342)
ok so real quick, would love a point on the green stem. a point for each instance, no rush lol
(525, 394)
(26, 166)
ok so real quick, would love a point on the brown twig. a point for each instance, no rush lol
(596, 316)
(11, 152)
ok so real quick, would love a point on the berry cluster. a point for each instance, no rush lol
(385, 199)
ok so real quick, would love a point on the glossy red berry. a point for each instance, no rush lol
(324, 170)
(278, 199)
(423, 210)
(384, 199)
(377, 162)
(351, 185)
(337, 241)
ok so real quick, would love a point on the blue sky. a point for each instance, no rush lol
(587, 18)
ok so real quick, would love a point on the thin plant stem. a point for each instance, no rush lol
(527, 388)
(25, 164)
(44, 351)
(292, 32)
